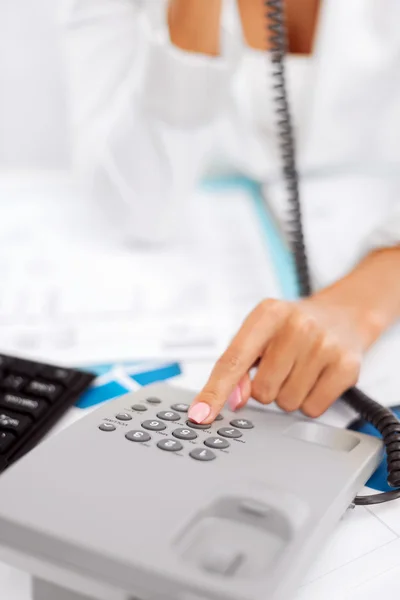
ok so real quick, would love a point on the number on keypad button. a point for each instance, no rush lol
(242, 423)
(202, 454)
(184, 434)
(217, 443)
(168, 415)
(229, 432)
(154, 425)
(138, 436)
(170, 445)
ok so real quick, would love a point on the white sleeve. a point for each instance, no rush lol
(141, 110)
(387, 234)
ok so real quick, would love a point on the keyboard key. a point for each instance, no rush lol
(31, 406)
(4, 361)
(14, 421)
(58, 374)
(13, 382)
(43, 388)
(6, 441)
(26, 367)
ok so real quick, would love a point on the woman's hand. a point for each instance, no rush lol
(308, 353)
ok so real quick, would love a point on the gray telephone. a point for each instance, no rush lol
(135, 503)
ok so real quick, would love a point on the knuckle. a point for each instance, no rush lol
(314, 409)
(327, 346)
(271, 307)
(261, 391)
(287, 402)
(350, 365)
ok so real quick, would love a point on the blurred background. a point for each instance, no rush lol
(33, 119)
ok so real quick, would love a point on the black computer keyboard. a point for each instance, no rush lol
(33, 397)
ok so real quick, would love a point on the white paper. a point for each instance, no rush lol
(74, 295)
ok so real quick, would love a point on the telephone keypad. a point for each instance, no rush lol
(178, 429)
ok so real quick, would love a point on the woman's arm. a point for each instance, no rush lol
(310, 351)
(195, 25)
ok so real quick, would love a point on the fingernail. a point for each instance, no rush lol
(199, 412)
(235, 399)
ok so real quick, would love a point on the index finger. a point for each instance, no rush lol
(246, 347)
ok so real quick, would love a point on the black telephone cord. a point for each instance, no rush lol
(380, 417)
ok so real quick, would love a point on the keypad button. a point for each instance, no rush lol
(124, 417)
(138, 436)
(14, 421)
(169, 445)
(107, 427)
(139, 407)
(154, 425)
(242, 423)
(182, 408)
(153, 400)
(13, 382)
(229, 432)
(216, 443)
(197, 425)
(6, 441)
(203, 454)
(219, 417)
(31, 406)
(168, 415)
(47, 390)
(184, 434)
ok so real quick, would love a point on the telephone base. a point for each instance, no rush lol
(42, 590)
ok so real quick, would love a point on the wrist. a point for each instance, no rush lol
(368, 296)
